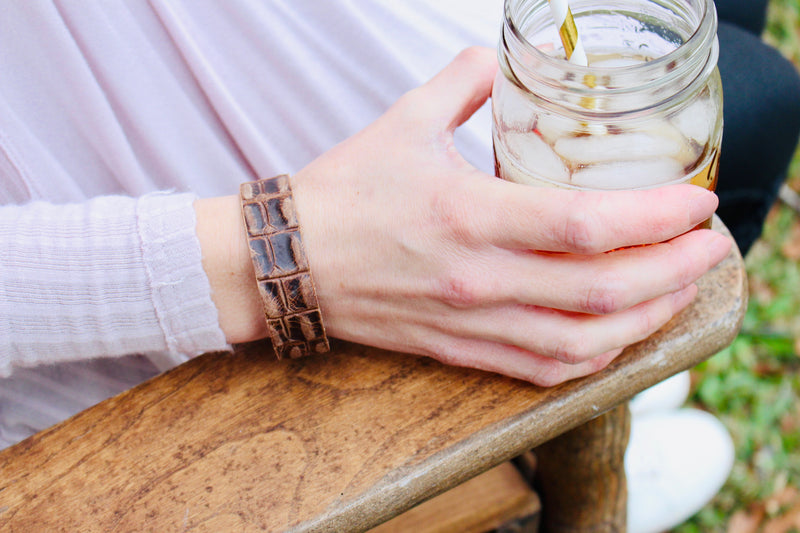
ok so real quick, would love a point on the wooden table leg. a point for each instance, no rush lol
(581, 476)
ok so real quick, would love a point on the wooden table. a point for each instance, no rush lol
(342, 442)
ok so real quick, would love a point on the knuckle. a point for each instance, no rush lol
(605, 295)
(573, 349)
(579, 232)
(459, 290)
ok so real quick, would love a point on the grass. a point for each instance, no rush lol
(754, 385)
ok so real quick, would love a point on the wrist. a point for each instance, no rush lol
(227, 263)
(280, 264)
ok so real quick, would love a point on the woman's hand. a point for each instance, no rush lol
(413, 249)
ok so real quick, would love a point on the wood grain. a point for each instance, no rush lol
(484, 503)
(581, 476)
(340, 442)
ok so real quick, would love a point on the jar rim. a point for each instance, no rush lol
(545, 75)
(707, 25)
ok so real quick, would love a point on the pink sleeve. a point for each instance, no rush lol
(111, 276)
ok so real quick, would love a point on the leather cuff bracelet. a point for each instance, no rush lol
(284, 281)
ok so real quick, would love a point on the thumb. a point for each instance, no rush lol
(458, 90)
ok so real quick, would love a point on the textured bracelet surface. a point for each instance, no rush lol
(282, 273)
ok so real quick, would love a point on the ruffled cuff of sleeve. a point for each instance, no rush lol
(111, 276)
(180, 290)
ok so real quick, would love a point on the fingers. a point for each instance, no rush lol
(458, 90)
(518, 363)
(598, 284)
(585, 222)
(608, 283)
(572, 338)
(547, 347)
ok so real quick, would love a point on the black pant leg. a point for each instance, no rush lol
(762, 123)
(747, 14)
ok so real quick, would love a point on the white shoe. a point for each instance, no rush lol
(669, 394)
(675, 463)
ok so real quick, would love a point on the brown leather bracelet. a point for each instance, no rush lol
(284, 280)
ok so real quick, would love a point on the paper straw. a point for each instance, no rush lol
(568, 32)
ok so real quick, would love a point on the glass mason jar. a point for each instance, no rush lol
(645, 112)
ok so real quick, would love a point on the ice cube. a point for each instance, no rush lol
(531, 154)
(696, 121)
(628, 174)
(518, 112)
(689, 150)
(590, 149)
(553, 127)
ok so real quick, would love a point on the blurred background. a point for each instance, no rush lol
(754, 385)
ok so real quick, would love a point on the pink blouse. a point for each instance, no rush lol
(116, 115)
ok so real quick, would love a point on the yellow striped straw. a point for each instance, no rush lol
(568, 32)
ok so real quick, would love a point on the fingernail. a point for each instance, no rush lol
(701, 206)
(718, 248)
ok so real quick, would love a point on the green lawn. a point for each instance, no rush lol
(754, 386)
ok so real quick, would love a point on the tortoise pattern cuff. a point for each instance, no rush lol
(284, 280)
